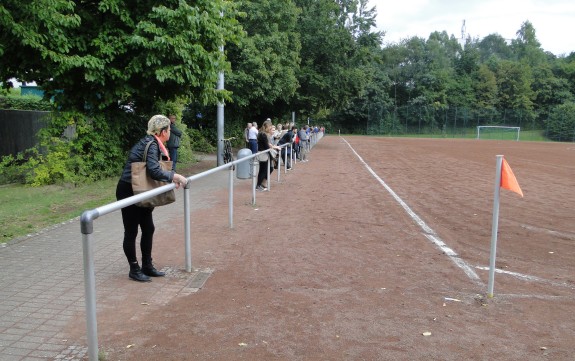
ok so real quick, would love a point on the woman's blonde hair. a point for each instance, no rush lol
(267, 124)
(157, 123)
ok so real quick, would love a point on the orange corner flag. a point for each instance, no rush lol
(508, 180)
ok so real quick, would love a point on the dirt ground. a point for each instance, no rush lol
(329, 265)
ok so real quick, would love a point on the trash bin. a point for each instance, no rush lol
(244, 169)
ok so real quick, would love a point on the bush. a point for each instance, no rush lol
(199, 142)
(28, 102)
(73, 148)
(561, 123)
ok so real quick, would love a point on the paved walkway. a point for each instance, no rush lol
(42, 279)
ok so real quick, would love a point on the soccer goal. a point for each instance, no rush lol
(498, 132)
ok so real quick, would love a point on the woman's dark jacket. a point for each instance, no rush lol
(152, 161)
(263, 141)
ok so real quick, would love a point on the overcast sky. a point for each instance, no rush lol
(553, 20)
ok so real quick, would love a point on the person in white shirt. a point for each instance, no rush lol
(253, 138)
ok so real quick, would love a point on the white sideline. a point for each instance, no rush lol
(527, 277)
(427, 231)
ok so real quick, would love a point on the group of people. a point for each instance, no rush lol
(274, 137)
(162, 129)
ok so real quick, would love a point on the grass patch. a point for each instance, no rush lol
(27, 210)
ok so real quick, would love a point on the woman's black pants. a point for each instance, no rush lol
(263, 172)
(134, 217)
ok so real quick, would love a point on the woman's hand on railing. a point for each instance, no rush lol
(180, 180)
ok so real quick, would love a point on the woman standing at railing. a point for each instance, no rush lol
(134, 216)
(265, 143)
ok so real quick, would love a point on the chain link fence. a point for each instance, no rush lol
(423, 121)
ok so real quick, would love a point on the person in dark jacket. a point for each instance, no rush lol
(288, 137)
(174, 141)
(265, 143)
(134, 216)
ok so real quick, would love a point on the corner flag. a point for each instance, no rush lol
(504, 178)
(508, 180)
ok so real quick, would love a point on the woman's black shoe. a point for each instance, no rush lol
(138, 275)
(152, 272)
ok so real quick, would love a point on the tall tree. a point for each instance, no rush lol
(97, 54)
(526, 46)
(494, 45)
(514, 85)
(330, 74)
(264, 64)
(485, 86)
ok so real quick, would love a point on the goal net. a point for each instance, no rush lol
(498, 132)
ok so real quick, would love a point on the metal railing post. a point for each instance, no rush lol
(187, 228)
(231, 197)
(254, 160)
(90, 294)
(279, 167)
(269, 171)
(87, 228)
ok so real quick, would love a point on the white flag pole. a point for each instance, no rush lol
(495, 226)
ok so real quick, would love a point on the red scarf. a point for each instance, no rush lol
(162, 147)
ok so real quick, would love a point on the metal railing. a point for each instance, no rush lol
(87, 227)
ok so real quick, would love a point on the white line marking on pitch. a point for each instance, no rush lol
(428, 232)
(526, 277)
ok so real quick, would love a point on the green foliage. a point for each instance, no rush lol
(73, 149)
(28, 102)
(199, 143)
(97, 54)
(319, 58)
(331, 72)
(265, 62)
(561, 123)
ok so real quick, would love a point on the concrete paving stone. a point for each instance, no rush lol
(9, 338)
(36, 304)
(51, 347)
(68, 313)
(59, 323)
(25, 345)
(48, 328)
(17, 330)
(44, 353)
(13, 351)
(27, 309)
(36, 337)
(59, 304)
(9, 318)
(7, 302)
(7, 357)
(31, 323)
(45, 312)
(26, 295)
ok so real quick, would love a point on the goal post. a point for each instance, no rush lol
(498, 132)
